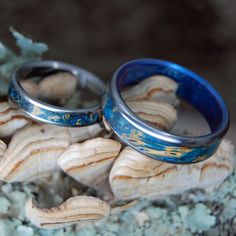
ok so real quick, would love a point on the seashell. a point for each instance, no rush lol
(30, 87)
(36, 149)
(124, 207)
(106, 125)
(58, 86)
(33, 152)
(90, 162)
(3, 147)
(134, 175)
(78, 209)
(161, 115)
(157, 88)
(81, 134)
(11, 119)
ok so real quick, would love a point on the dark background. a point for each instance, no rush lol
(101, 35)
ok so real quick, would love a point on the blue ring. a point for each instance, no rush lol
(155, 143)
(48, 113)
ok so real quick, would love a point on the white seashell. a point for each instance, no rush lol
(90, 162)
(80, 209)
(58, 86)
(134, 175)
(30, 87)
(11, 119)
(81, 134)
(124, 207)
(36, 149)
(157, 88)
(161, 115)
(106, 125)
(32, 153)
(3, 147)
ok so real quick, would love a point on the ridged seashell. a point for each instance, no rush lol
(157, 88)
(32, 153)
(134, 175)
(30, 87)
(89, 162)
(106, 125)
(124, 207)
(36, 149)
(161, 115)
(81, 134)
(58, 86)
(3, 147)
(78, 209)
(11, 119)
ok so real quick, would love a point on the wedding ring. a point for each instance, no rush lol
(158, 144)
(44, 112)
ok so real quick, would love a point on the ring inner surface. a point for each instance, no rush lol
(85, 93)
(191, 88)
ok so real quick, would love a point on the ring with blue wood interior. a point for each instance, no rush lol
(161, 145)
(44, 112)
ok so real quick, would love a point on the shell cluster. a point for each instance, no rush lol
(36, 151)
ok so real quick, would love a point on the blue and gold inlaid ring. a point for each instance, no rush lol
(160, 145)
(44, 112)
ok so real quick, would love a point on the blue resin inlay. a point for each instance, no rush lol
(58, 118)
(149, 145)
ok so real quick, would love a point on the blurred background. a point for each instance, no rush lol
(101, 35)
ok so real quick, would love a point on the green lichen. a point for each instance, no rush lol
(7, 227)
(28, 48)
(4, 205)
(200, 219)
(181, 215)
(25, 230)
(9, 60)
